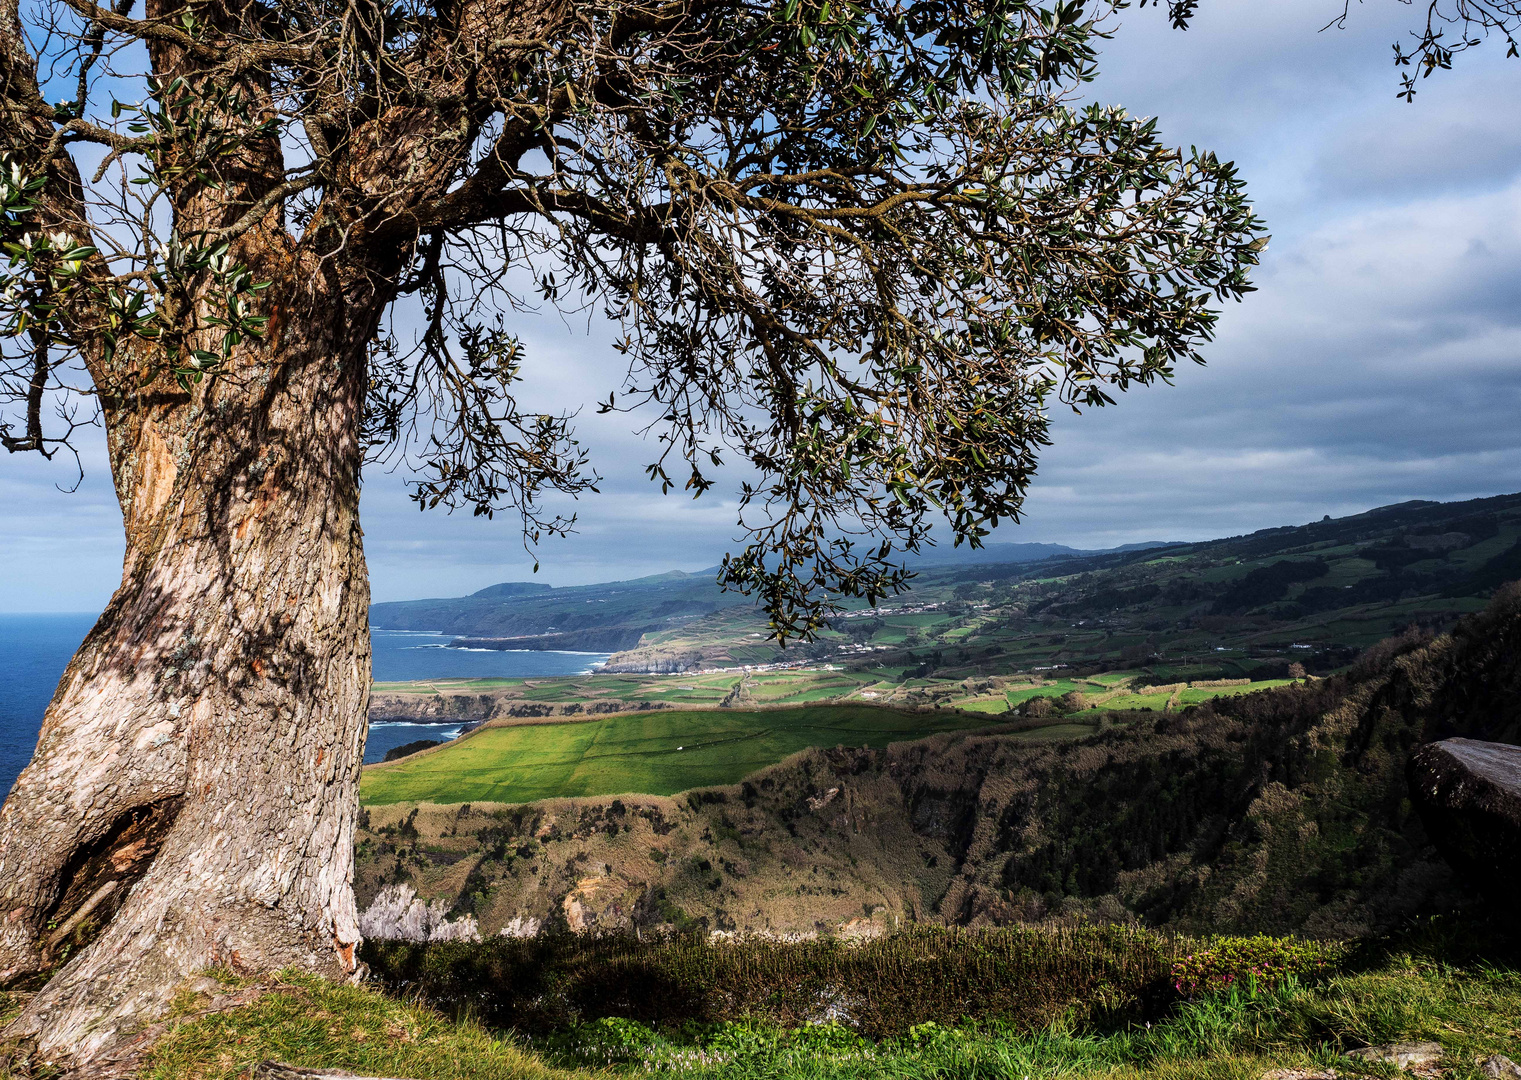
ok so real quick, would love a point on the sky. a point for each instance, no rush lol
(1379, 360)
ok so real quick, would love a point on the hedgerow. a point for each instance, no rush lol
(883, 987)
(1258, 962)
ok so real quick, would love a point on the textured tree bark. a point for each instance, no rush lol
(203, 748)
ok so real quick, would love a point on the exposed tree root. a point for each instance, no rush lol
(125, 1058)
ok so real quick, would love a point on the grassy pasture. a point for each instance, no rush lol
(994, 706)
(651, 753)
(1200, 694)
(1053, 689)
(1155, 702)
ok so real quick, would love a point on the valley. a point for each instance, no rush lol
(1285, 811)
(1051, 644)
(1193, 736)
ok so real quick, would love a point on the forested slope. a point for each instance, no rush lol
(1243, 606)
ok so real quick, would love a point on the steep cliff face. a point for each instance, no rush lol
(456, 707)
(1286, 810)
(430, 708)
(1176, 822)
(642, 661)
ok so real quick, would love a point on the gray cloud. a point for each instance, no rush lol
(1378, 363)
(1460, 137)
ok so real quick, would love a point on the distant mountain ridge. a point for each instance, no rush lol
(1380, 562)
(402, 614)
(614, 615)
(993, 554)
(512, 588)
(532, 615)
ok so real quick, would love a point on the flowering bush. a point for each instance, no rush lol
(1251, 963)
(609, 1040)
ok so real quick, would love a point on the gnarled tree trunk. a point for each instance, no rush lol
(203, 749)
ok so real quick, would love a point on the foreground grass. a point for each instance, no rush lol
(1472, 1006)
(1021, 976)
(306, 1021)
(650, 753)
(1472, 1013)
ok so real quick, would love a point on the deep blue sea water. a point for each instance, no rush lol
(407, 654)
(34, 650)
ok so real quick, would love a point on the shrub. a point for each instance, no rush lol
(1039, 708)
(1028, 978)
(1251, 963)
(611, 1040)
(407, 749)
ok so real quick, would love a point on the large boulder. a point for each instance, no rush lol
(1468, 794)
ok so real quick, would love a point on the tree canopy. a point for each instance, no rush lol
(860, 247)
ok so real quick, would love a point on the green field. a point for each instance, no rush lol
(650, 753)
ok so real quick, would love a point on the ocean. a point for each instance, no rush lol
(34, 650)
(408, 654)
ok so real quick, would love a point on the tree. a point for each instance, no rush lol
(1040, 708)
(859, 245)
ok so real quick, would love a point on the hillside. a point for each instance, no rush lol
(614, 615)
(1244, 606)
(592, 617)
(1284, 810)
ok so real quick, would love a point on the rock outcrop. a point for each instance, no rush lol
(1468, 794)
(397, 914)
(1402, 1055)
